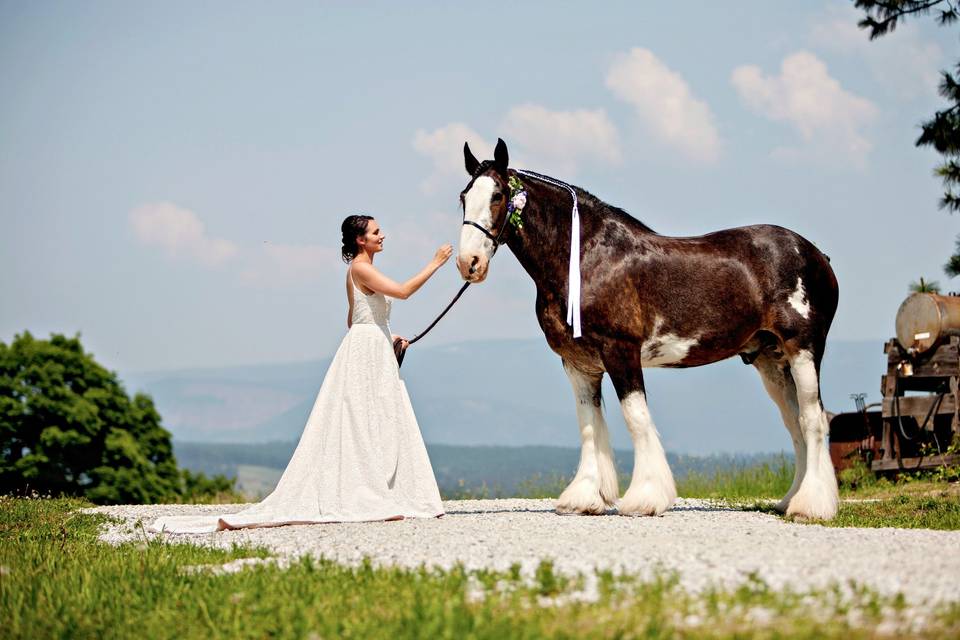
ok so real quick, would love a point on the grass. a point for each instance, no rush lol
(904, 511)
(912, 502)
(58, 581)
(769, 480)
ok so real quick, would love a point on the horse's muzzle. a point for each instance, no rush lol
(472, 268)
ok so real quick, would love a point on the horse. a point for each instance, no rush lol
(762, 292)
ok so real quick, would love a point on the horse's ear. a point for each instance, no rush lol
(470, 161)
(501, 159)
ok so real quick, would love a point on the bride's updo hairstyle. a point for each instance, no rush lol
(352, 227)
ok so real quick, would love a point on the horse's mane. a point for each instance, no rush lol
(585, 199)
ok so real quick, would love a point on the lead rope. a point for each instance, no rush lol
(399, 350)
(442, 313)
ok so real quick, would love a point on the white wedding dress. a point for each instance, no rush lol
(361, 456)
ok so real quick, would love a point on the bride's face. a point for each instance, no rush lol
(372, 239)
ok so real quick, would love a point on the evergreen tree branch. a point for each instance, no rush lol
(952, 267)
(882, 17)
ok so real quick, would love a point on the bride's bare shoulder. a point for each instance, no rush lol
(363, 271)
(359, 266)
(365, 275)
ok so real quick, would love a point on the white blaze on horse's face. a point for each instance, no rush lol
(476, 249)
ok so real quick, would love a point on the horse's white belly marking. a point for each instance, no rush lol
(798, 300)
(662, 349)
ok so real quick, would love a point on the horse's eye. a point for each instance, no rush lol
(497, 197)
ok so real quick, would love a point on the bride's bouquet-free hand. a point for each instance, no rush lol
(400, 348)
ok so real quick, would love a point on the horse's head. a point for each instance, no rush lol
(484, 202)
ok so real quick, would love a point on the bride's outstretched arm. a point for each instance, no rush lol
(368, 276)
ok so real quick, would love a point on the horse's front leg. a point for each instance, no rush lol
(652, 490)
(595, 485)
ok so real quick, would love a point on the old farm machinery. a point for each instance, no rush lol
(914, 425)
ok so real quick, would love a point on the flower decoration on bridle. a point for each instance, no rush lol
(518, 200)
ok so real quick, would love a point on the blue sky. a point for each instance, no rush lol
(173, 175)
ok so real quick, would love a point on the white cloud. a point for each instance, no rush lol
(829, 119)
(558, 140)
(445, 147)
(552, 140)
(665, 105)
(180, 233)
(901, 61)
(280, 265)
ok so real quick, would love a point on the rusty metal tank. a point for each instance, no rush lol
(925, 318)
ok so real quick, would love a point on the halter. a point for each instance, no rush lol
(495, 239)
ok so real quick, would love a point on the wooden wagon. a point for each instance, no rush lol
(918, 419)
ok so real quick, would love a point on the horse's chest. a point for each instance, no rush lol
(552, 319)
(582, 354)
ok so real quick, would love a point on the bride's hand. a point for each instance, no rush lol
(404, 341)
(442, 255)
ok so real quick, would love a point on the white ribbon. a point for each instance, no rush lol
(573, 274)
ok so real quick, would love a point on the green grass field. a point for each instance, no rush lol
(911, 502)
(58, 581)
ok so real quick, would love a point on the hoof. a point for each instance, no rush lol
(646, 501)
(813, 501)
(597, 508)
(582, 497)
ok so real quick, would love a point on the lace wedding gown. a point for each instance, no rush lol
(361, 456)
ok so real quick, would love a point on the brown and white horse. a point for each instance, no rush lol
(762, 292)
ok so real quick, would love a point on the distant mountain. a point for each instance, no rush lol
(505, 392)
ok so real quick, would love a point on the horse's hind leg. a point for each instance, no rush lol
(817, 496)
(595, 485)
(779, 384)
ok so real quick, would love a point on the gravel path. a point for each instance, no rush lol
(707, 545)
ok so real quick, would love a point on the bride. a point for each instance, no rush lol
(361, 456)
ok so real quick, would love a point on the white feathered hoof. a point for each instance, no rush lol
(647, 499)
(581, 497)
(815, 500)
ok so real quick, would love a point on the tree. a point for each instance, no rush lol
(68, 427)
(925, 286)
(942, 132)
(953, 264)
